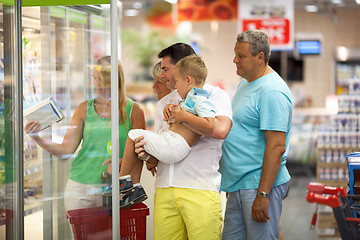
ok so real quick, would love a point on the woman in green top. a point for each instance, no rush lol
(91, 124)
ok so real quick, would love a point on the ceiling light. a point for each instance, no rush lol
(311, 8)
(29, 30)
(171, 1)
(137, 5)
(342, 53)
(336, 1)
(131, 12)
(29, 19)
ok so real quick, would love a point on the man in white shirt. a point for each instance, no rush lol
(187, 200)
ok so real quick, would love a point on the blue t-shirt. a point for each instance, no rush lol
(197, 102)
(264, 104)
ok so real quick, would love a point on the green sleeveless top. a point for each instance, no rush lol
(87, 166)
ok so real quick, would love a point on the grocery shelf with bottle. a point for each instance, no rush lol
(334, 142)
(302, 156)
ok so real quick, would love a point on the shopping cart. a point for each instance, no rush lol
(96, 223)
(338, 200)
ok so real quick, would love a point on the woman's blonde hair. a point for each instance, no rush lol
(103, 64)
(157, 71)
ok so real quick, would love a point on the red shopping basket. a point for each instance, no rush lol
(96, 223)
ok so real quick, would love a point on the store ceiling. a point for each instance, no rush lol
(32, 14)
(298, 3)
(317, 6)
(326, 4)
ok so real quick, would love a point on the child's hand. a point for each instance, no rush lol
(152, 167)
(153, 171)
(178, 115)
(167, 110)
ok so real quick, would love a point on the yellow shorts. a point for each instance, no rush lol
(181, 213)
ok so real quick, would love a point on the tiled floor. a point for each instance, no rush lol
(296, 215)
(297, 212)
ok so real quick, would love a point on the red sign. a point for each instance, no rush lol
(207, 10)
(278, 29)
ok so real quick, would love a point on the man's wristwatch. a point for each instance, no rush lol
(262, 194)
(145, 159)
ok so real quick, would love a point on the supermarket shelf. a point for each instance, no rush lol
(350, 149)
(30, 164)
(332, 164)
(333, 183)
(312, 111)
(327, 226)
(32, 207)
(335, 236)
(33, 170)
(2, 217)
(29, 209)
(326, 220)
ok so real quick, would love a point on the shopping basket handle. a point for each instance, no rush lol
(350, 219)
(331, 200)
(321, 188)
(316, 187)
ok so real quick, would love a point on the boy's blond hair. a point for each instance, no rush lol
(193, 66)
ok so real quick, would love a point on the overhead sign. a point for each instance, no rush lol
(28, 3)
(275, 17)
(207, 10)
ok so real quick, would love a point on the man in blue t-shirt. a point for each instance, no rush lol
(254, 153)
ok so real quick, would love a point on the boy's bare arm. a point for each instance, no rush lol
(204, 124)
(222, 125)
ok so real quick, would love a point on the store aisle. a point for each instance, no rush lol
(297, 212)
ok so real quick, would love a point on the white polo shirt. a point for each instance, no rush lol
(171, 98)
(199, 170)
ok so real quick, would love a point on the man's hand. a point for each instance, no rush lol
(139, 147)
(140, 151)
(260, 209)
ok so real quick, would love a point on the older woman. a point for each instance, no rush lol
(159, 85)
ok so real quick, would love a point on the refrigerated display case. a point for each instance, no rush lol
(59, 46)
(347, 68)
(62, 51)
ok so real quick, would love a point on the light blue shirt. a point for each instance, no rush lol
(264, 104)
(197, 102)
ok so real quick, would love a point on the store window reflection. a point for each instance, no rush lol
(60, 46)
(8, 126)
(2, 138)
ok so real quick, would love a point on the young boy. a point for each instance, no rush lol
(173, 144)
